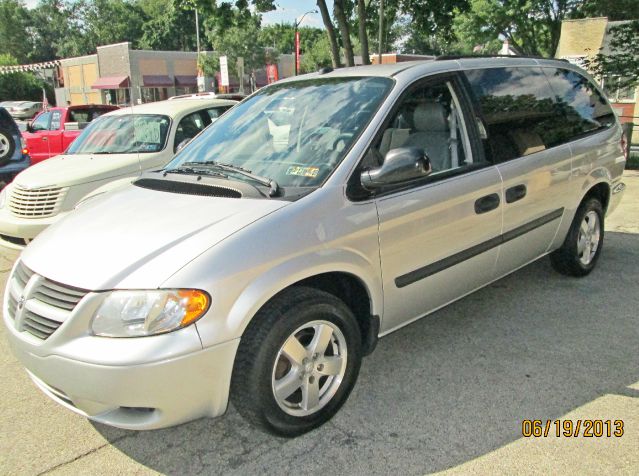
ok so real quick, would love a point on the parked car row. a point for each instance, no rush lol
(324, 211)
(115, 147)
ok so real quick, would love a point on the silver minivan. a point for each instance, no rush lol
(319, 214)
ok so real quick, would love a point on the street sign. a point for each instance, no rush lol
(224, 70)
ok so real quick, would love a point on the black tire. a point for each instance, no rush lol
(568, 259)
(255, 368)
(7, 146)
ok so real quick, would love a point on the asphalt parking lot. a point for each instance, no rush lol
(445, 394)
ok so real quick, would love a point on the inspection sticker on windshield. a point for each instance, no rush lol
(303, 171)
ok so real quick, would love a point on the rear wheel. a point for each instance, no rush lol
(297, 362)
(7, 146)
(582, 247)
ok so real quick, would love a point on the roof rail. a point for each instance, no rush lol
(455, 57)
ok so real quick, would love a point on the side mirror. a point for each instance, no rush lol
(30, 127)
(401, 166)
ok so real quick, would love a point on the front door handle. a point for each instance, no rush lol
(515, 193)
(45, 138)
(487, 203)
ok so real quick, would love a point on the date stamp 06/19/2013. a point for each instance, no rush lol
(572, 428)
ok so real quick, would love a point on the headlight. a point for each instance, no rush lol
(145, 313)
(3, 197)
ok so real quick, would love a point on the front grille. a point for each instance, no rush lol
(37, 202)
(22, 275)
(46, 307)
(39, 326)
(58, 295)
(13, 303)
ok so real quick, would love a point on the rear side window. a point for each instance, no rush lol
(584, 109)
(527, 110)
(518, 110)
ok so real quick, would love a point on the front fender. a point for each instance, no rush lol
(229, 315)
(267, 285)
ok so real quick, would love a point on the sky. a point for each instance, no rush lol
(287, 11)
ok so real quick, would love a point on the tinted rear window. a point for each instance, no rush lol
(517, 107)
(583, 107)
(523, 114)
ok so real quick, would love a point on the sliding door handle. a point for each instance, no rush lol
(487, 203)
(515, 193)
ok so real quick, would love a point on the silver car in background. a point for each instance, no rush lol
(25, 109)
(319, 214)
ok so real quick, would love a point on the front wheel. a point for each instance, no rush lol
(580, 251)
(297, 362)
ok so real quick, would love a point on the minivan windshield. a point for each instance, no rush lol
(123, 134)
(294, 133)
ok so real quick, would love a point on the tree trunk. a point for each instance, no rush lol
(363, 36)
(330, 32)
(344, 31)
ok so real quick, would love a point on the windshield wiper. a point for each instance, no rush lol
(193, 171)
(274, 188)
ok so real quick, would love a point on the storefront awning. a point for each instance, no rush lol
(111, 82)
(156, 81)
(186, 81)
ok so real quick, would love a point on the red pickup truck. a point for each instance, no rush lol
(51, 131)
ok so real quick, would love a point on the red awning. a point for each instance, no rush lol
(111, 82)
(186, 81)
(156, 81)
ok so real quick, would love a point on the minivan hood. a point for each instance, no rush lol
(69, 170)
(137, 238)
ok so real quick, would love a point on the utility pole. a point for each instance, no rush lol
(197, 33)
(380, 39)
(297, 40)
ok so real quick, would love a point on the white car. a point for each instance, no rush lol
(118, 146)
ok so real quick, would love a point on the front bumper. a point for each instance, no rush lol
(136, 397)
(16, 232)
(133, 383)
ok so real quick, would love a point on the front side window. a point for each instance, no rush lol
(188, 128)
(295, 132)
(123, 134)
(216, 112)
(41, 123)
(429, 117)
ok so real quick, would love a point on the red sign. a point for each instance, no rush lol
(297, 52)
(271, 73)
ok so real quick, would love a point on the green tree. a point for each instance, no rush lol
(14, 21)
(622, 61)
(238, 39)
(317, 56)
(22, 86)
(50, 28)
